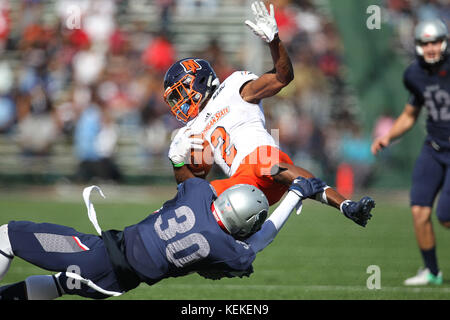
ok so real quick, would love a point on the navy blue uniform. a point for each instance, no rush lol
(183, 236)
(180, 238)
(63, 249)
(430, 88)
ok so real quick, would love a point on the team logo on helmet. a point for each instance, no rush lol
(190, 65)
(188, 85)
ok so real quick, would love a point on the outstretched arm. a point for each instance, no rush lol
(359, 212)
(300, 189)
(282, 73)
(285, 173)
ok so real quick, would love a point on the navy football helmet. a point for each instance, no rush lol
(431, 31)
(187, 85)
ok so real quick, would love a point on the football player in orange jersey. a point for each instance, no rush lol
(230, 117)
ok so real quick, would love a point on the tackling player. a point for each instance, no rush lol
(230, 117)
(194, 232)
(428, 81)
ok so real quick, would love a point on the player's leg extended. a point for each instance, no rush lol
(427, 179)
(64, 250)
(34, 287)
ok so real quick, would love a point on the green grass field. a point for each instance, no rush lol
(318, 255)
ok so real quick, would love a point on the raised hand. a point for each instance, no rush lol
(265, 25)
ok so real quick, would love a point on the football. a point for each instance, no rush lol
(201, 161)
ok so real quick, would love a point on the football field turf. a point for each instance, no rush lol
(317, 255)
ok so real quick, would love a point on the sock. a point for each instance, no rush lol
(430, 260)
(322, 196)
(42, 288)
(33, 288)
(15, 291)
(6, 253)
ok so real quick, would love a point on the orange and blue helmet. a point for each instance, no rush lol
(187, 85)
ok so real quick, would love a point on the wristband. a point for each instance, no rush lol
(322, 196)
(177, 165)
(342, 205)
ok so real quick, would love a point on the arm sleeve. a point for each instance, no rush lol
(239, 78)
(274, 223)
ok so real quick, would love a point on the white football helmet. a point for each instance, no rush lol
(430, 31)
(241, 210)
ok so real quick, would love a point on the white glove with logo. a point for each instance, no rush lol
(181, 146)
(266, 26)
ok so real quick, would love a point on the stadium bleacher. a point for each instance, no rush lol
(189, 35)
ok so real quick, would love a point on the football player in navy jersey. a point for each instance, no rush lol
(428, 81)
(194, 232)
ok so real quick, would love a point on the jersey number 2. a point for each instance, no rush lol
(228, 152)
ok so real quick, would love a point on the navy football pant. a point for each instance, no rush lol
(431, 174)
(63, 249)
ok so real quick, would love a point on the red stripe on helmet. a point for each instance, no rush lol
(216, 216)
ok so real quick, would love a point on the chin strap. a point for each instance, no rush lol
(419, 52)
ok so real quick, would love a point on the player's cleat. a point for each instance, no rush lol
(424, 277)
(359, 211)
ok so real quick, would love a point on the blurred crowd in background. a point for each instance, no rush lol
(92, 83)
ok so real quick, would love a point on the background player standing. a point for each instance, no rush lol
(230, 117)
(428, 81)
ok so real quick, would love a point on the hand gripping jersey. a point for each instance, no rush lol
(184, 237)
(232, 126)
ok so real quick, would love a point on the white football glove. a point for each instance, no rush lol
(266, 26)
(181, 146)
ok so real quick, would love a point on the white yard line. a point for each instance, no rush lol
(308, 288)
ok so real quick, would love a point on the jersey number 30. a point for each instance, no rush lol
(196, 243)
